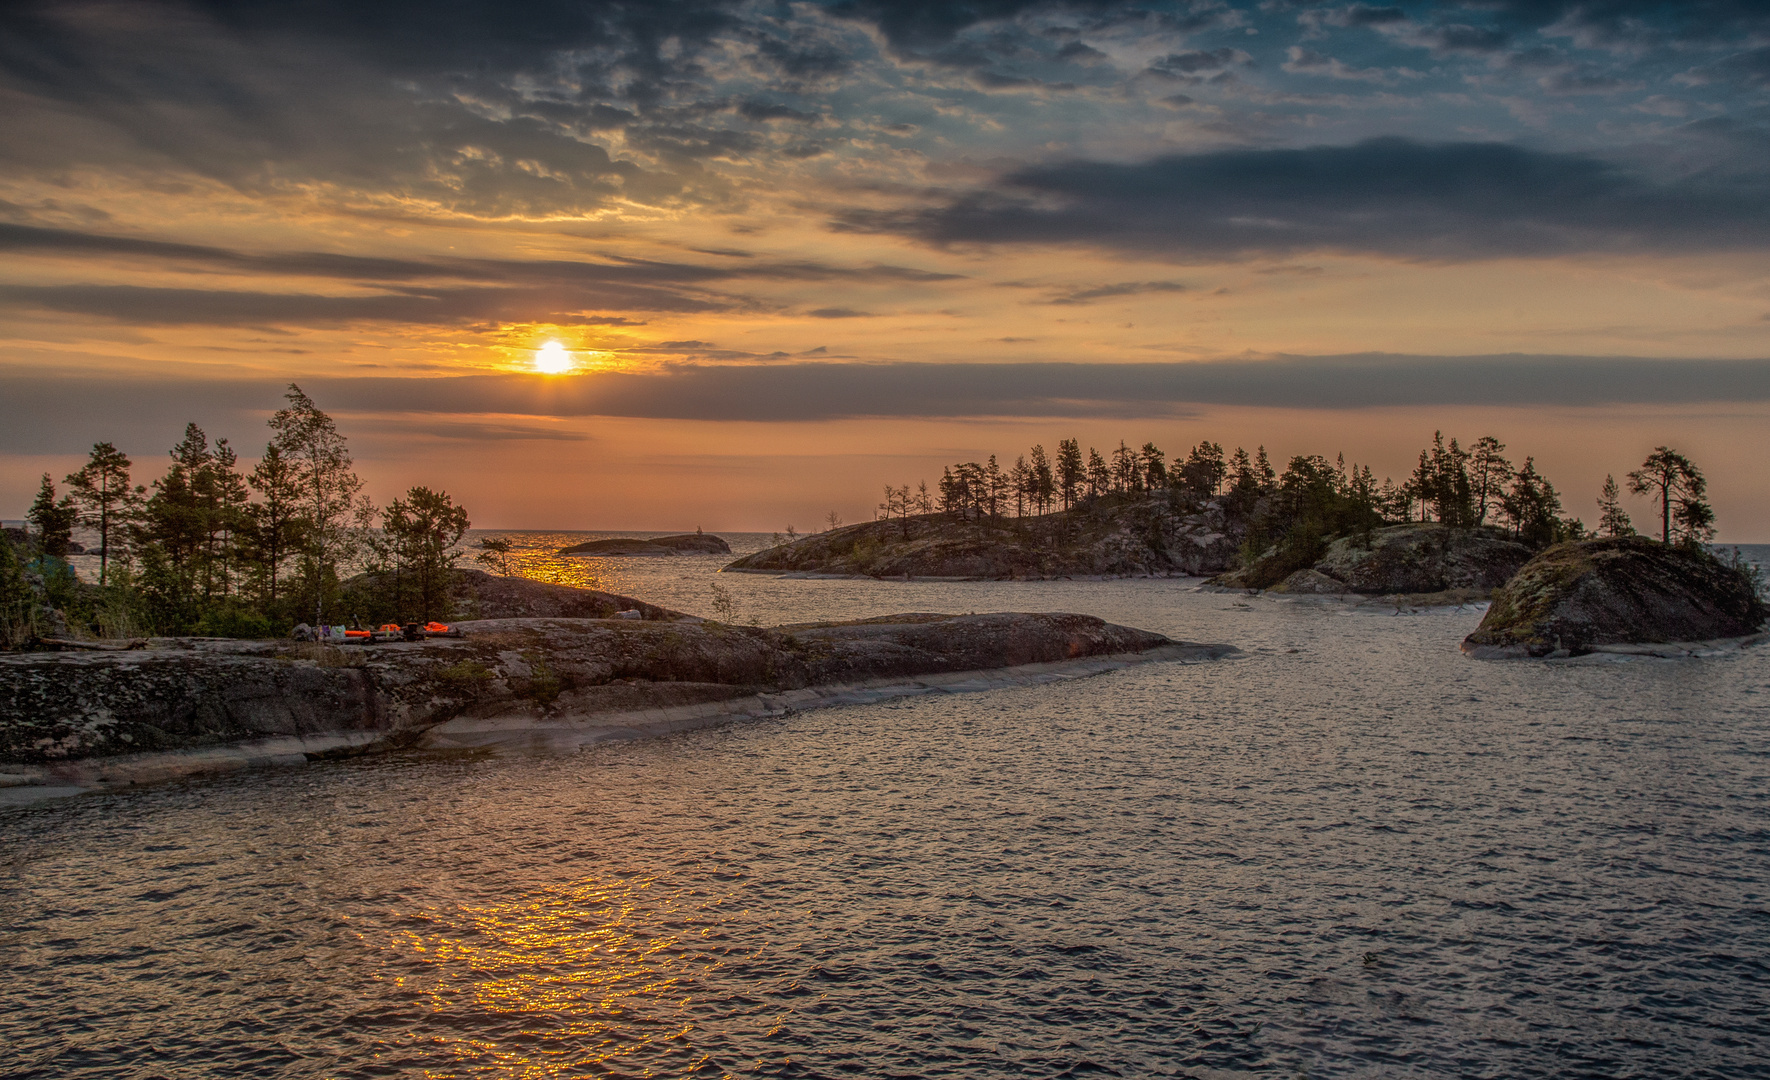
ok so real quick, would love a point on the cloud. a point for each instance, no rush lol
(1309, 62)
(148, 306)
(1385, 196)
(63, 412)
(1105, 292)
(428, 291)
(839, 313)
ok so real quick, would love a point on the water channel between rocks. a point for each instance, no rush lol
(1349, 851)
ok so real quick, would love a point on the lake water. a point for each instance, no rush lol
(1348, 851)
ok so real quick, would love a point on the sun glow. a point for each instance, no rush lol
(552, 359)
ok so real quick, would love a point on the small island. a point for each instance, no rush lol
(1460, 525)
(1625, 594)
(683, 544)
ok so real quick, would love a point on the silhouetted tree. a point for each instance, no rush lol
(1099, 476)
(1682, 492)
(1204, 470)
(330, 505)
(1533, 508)
(1071, 471)
(53, 519)
(1126, 475)
(495, 551)
(1152, 467)
(1488, 475)
(1613, 520)
(424, 528)
(995, 489)
(107, 503)
(1043, 483)
(273, 524)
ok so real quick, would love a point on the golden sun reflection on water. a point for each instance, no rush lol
(552, 984)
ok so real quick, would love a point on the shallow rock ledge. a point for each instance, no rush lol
(195, 706)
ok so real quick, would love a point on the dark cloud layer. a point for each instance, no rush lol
(1388, 196)
(42, 412)
(430, 291)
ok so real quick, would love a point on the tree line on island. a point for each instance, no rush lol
(1313, 499)
(212, 549)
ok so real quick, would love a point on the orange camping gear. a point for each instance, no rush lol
(436, 628)
(395, 627)
(356, 633)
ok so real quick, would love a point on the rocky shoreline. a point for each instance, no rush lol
(1123, 537)
(1459, 564)
(1623, 594)
(79, 720)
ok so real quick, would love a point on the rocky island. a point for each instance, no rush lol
(1439, 561)
(682, 544)
(531, 679)
(1142, 537)
(1623, 594)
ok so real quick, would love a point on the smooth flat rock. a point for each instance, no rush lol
(184, 706)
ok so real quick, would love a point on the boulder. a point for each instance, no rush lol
(1310, 581)
(1584, 596)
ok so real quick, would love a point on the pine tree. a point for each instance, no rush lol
(1125, 473)
(1488, 473)
(53, 519)
(1020, 482)
(1152, 467)
(175, 521)
(106, 501)
(1204, 470)
(17, 601)
(273, 524)
(1268, 476)
(1044, 484)
(1533, 507)
(1099, 476)
(1613, 520)
(1071, 471)
(424, 527)
(1682, 492)
(226, 490)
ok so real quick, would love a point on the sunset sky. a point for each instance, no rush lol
(795, 251)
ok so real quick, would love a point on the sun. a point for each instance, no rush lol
(552, 359)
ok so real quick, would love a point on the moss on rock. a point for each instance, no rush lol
(1576, 597)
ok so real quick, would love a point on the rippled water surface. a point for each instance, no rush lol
(1347, 852)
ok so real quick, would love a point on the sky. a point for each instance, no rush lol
(793, 252)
